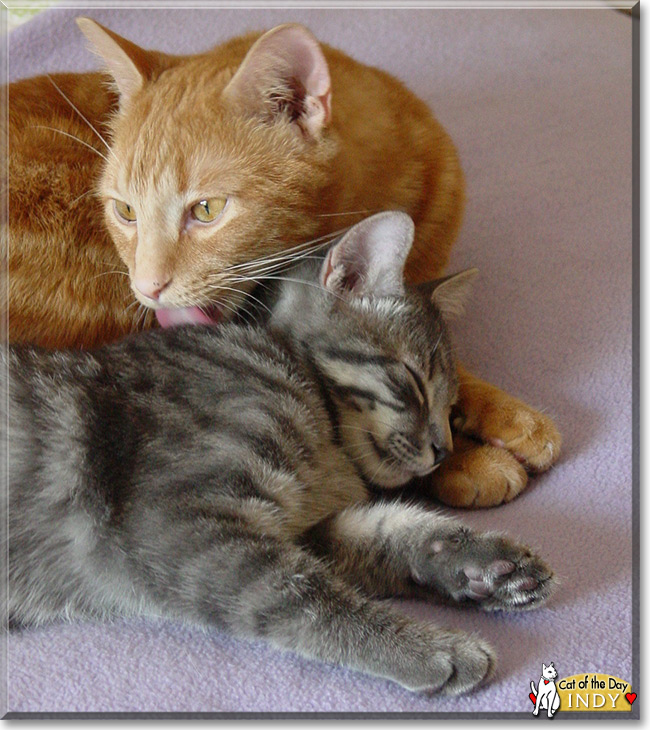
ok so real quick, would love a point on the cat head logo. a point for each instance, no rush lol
(545, 696)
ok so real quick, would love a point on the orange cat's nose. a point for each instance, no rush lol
(151, 289)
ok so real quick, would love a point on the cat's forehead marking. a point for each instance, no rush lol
(161, 157)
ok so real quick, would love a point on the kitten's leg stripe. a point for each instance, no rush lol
(276, 591)
(373, 545)
(396, 549)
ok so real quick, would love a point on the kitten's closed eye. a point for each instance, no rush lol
(419, 384)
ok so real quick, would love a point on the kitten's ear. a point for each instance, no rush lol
(543, 667)
(285, 73)
(370, 257)
(450, 293)
(129, 64)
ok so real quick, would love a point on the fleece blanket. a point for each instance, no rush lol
(539, 102)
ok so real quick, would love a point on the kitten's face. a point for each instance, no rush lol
(383, 349)
(193, 190)
(394, 390)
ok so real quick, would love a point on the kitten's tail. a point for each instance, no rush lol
(534, 689)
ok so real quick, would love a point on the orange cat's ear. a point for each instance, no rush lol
(129, 64)
(285, 74)
(369, 259)
(450, 293)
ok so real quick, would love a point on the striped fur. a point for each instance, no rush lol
(220, 475)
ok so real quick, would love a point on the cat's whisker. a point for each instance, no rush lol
(101, 139)
(259, 269)
(107, 273)
(300, 281)
(350, 212)
(435, 347)
(295, 281)
(147, 313)
(263, 260)
(108, 263)
(71, 136)
(358, 428)
(382, 423)
(319, 239)
(223, 304)
(133, 304)
(285, 263)
(136, 316)
(79, 197)
(288, 254)
(230, 308)
(239, 291)
(257, 300)
(307, 257)
(137, 319)
(382, 464)
(360, 457)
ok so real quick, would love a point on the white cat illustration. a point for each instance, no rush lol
(545, 693)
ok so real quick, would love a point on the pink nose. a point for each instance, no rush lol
(152, 289)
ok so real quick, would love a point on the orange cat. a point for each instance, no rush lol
(185, 179)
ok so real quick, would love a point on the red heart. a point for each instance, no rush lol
(630, 697)
(546, 681)
(532, 698)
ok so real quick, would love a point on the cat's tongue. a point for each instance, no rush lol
(187, 315)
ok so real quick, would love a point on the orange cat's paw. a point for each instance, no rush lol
(508, 423)
(479, 475)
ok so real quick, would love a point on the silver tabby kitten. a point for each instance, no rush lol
(224, 475)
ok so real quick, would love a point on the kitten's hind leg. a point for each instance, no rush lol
(266, 589)
(396, 549)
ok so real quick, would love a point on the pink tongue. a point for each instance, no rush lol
(187, 315)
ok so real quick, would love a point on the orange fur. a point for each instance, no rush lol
(177, 130)
(381, 150)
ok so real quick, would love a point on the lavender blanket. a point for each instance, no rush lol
(540, 105)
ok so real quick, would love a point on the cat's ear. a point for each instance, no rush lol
(285, 74)
(450, 293)
(370, 257)
(129, 64)
(543, 667)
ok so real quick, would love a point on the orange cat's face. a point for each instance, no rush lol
(207, 173)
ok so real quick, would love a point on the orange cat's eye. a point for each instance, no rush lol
(209, 210)
(125, 211)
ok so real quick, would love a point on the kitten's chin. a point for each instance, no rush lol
(391, 475)
(189, 315)
(388, 477)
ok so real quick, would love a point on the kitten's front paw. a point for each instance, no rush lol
(488, 570)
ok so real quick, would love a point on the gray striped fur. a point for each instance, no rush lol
(223, 476)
